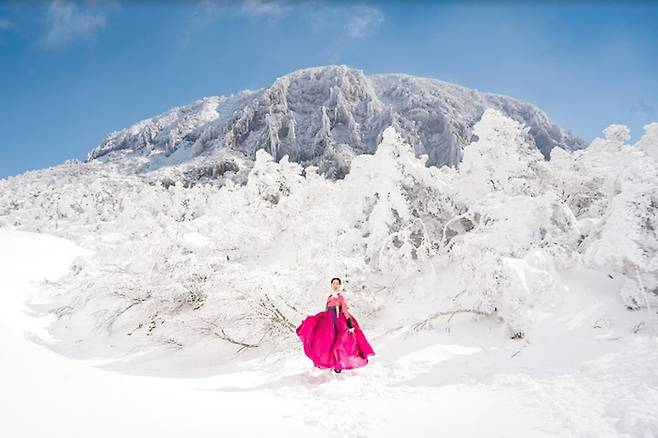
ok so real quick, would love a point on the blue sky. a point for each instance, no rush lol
(72, 72)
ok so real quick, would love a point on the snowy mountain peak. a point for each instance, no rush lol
(324, 116)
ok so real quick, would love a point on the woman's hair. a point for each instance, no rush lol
(335, 278)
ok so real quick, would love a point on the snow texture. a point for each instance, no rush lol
(511, 289)
(322, 116)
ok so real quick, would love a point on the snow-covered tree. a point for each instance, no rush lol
(179, 260)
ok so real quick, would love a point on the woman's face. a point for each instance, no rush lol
(335, 284)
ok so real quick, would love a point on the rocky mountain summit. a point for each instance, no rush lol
(321, 116)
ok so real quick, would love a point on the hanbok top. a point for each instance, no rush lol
(337, 302)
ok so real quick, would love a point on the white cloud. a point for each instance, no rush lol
(68, 22)
(364, 20)
(356, 21)
(206, 11)
(269, 8)
(6, 24)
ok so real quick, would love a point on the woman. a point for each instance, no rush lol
(332, 338)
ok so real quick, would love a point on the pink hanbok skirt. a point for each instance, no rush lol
(329, 344)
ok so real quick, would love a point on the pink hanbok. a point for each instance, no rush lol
(327, 340)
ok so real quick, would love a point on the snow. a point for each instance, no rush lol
(321, 116)
(509, 296)
(47, 395)
(567, 383)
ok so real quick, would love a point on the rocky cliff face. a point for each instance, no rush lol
(324, 116)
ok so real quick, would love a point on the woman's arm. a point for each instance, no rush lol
(343, 308)
(348, 317)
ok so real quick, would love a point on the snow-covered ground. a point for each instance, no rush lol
(508, 297)
(585, 374)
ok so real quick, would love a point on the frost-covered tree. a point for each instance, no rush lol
(503, 158)
(507, 214)
(612, 188)
(395, 205)
(183, 262)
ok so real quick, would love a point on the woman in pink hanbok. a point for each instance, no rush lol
(332, 338)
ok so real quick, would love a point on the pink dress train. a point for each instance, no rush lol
(334, 347)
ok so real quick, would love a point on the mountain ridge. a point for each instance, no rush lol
(324, 116)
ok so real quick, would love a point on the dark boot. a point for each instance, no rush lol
(337, 370)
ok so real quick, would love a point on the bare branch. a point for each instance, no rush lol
(227, 338)
(424, 323)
